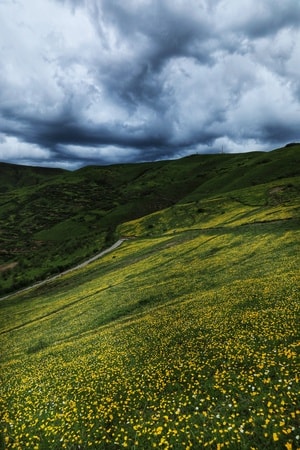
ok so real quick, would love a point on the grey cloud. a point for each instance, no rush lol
(261, 19)
(275, 16)
(158, 34)
(140, 80)
(275, 132)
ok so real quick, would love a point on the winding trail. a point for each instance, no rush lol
(78, 266)
(120, 242)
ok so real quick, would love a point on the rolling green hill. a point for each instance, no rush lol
(51, 219)
(184, 337)
(15, 176)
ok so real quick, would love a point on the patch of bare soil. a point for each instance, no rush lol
(9, 266)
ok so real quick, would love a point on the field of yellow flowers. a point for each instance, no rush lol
(182, 340)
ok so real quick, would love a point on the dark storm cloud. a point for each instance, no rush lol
(83, 81)
(157, 33)
(266, 18)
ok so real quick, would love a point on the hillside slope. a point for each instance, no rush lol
(14, 176)
(186, 336)
(52, 219)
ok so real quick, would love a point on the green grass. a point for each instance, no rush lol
(263, 203)
(185, 337)
(51, 219)
(23, 176)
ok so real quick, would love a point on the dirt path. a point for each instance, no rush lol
(78, 266)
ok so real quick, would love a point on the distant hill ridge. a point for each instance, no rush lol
(292, 144)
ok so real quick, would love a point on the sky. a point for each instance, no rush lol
(87, 82)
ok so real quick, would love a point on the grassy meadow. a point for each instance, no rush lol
(51, 219)
(185, 337)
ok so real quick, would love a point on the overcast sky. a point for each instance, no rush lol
(108, 81)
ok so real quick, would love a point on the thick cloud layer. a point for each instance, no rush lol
(90, 82)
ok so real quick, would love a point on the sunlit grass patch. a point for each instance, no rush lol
(187, 340)
(199, 373)
(234, 208)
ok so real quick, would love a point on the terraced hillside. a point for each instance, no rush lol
(186, 336)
